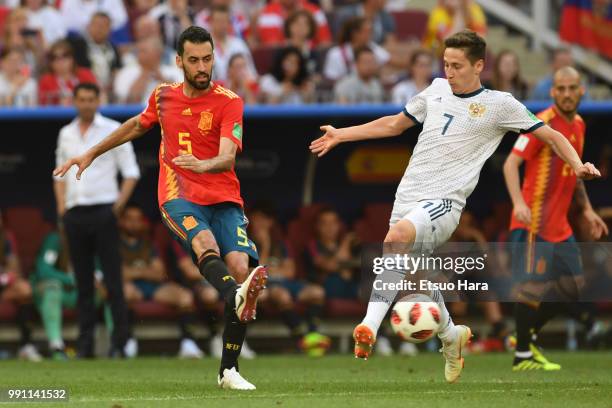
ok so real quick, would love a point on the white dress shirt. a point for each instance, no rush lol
(98, 184)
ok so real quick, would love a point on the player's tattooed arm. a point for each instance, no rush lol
(564, 149)
(224, 161)
(581, 199)
(596, 226)
(129, 130)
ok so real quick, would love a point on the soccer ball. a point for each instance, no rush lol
(415, 318)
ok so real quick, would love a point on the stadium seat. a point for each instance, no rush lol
(29, 228)
(263, 58)
(8, 311)
(345, 308)
(410, 24)
(150, 310)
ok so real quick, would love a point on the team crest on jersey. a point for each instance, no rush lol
(476, 109)
(206, 119)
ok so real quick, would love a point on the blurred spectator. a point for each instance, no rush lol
(145, 277)
(288, 83)
(450, 17)
(300, 29)
(240, 81)
(15, 289)
(559, 58)
(227, 45)
(17, 88)
(95, 51)
(507, 75)
(356, 33)
(77, 13)
(239, 22)
(54, 289)
(56, 86)
(331, 258)
(137, 9)
(383, 24)
(362, 86)
(47, 19)
(421, 71)
(18, 35)
(146, 27)
(284, 287)
(134, 83)
(174, 17)
(272, 20)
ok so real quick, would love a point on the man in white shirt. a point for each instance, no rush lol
(135, 82)
(463, 123)
(88, 209)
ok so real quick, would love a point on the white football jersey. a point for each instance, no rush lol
(460, 132)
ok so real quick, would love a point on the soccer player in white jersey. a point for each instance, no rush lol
(463, 123)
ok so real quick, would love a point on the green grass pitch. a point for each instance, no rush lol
(332, 381)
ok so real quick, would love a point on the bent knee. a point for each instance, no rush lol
(403, 232)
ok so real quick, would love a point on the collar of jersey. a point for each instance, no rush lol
(469, 95)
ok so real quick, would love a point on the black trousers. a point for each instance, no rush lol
(92, 232)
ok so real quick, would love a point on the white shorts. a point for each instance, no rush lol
(434, 221)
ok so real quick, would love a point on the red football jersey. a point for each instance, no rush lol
(196, 126)
(549, 182)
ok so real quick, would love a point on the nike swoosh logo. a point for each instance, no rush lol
(241, 302)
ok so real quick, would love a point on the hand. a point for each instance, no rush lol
(597, 226)
(523, 213)
(189, 162)
(83, 162)
(587, 172)
(118, 208)
(326, 142)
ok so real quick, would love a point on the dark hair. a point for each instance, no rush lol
(101, 14)
(277, 69)
(234, 57)
(361, 50)
(419, 53)
(350, 27)
(517, 82)
(87, 86)
(193, 34)
(471, 43)
(312, 24)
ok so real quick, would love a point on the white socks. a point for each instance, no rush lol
(381, 300)
(447, 327)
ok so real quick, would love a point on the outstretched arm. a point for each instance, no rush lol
(386, 126)
(129, 130)
(564, 149)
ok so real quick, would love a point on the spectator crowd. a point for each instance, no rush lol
(275, 52)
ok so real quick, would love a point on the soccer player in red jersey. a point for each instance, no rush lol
(198, 192)
(540, 216)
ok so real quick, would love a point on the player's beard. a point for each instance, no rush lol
(562, 106)
(198, 84)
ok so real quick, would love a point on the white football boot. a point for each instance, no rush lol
(232, 380)
(452, 353)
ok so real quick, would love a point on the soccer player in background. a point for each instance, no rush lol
(540, 216)
(198, 192)
(463, 123)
